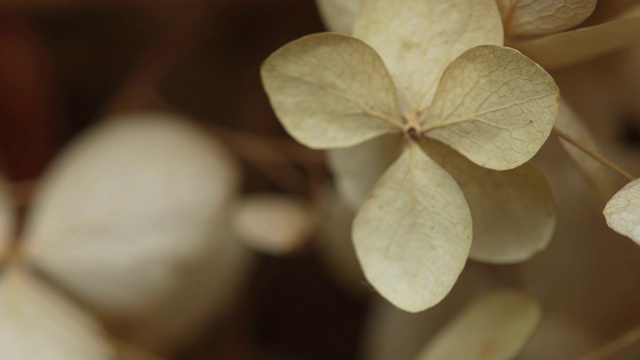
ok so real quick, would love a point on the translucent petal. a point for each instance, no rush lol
(274, 224)
(130, 210)
(413, 234)
(417, 39)
(540, 17)
(338, 15)
(496, 326)
(599, 175)
(331, 90)
(38, 323)
(513, 211)
(494, 106)
(7, 216)
(357, 168)
(623, 211)
(572, 47)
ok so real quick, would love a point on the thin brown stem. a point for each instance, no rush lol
(617, 344)
(604, 161)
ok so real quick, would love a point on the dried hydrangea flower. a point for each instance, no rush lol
(420, 71)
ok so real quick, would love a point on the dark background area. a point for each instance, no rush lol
(65, 65)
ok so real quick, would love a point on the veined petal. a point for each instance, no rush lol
(356, 169)
(540, 17)
(417, 39)
(597, 174)
(413, 234)
(572, 47)
(496, 326)
(338, 15)
(513, 211)
(331, 90)
(494, 106)
(623, 211)
(38, 323)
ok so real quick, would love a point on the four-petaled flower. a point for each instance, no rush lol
(421, 71)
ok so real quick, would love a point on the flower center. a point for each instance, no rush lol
(412, 133)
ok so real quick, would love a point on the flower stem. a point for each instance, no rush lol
(604, 161)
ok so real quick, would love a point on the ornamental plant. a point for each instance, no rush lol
(423, 74)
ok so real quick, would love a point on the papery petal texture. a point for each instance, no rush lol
(417, 39)
(541, 17)
(412, 235)
(513, 211)
(576, 46)
(494, 106)
(623, 211)
(331, 90)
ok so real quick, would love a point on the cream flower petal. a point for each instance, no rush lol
(623, 211)
(496, 326)
(513, 211)
(357, 168)
(597, 174)
(331, 90)
(572, 47)
(540, 17)
(417, 39)
(412, 235)
(274, 224)
(338, 15)
(38, 323)
(494, 106)
(130, 210)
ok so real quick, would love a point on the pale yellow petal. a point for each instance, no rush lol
(494, 106)
(274, 224)
(623, 211)
(513, 211)
(576, 46)
(331, 90)
(540, 17)
(598, 175)
(496, 326)
(357, 168)
(7, 217)
(413, 234)
(417, 39)
(338, 15)
(38, 323)
(130, 210)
